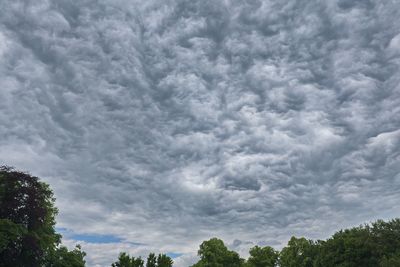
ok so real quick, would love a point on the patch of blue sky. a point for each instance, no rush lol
(89, 238)
(174, 255)
(94, 238)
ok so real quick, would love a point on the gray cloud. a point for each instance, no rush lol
(169, 122)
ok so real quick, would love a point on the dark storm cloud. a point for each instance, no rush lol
(164, 123)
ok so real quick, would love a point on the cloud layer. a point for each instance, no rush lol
(166, 122)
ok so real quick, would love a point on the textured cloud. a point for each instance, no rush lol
(164, 123)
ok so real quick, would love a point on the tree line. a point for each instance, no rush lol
(124, 260)
(28, 239)
(369, 245)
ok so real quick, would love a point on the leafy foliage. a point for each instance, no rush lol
(164, 261)
(214, 253)
(27, 221)
(391, 261)
(61, 257)
(368, 245)
(124, 260)
(9, 233)
(151, 260)
(262, 257)
(28, 204)
(300, 252)
(375, 245)
(351, 247)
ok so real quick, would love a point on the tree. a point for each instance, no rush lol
(27, 215)
(299, 252)
(61, 257)
(391, 261)
(262, 257)
(27, 220)
(124, 260)
(164, 261)
(351, 248)
(214, 253)
(151, 260)
(10, 233)
(386, 237)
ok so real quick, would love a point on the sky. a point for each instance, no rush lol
(163, 123)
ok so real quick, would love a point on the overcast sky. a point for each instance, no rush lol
(162, 123)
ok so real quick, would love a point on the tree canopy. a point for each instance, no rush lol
(299, 252)
(376, 244)
(262, 257)
(62, 257)
(214, 253)
(164, 261)
(27, 224)
(124, 260)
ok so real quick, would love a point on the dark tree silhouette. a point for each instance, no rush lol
(124, 260)
(262, 257)
(28, 205)
(151, 260)
(27, 221)
(214, 253)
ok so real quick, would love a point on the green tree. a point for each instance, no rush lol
(214, 253)
(299, 252)
(262, 257)
(349, 248)
(386, 237)
(27, 215)
(10, 233)
(391, 261)
(124, 260)
(27, 219)
(164, 261)
(61, 257)
(151, 260)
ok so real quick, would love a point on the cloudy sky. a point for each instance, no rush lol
(162, 123)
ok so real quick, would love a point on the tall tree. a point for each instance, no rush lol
(214, 253)
(124, 260)
(27, 219)
(27, 213)
(151, 260)
(386, 236)
(164, 261)
(61, 257)
(351, 248)
(262, 257)
(299, 252)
